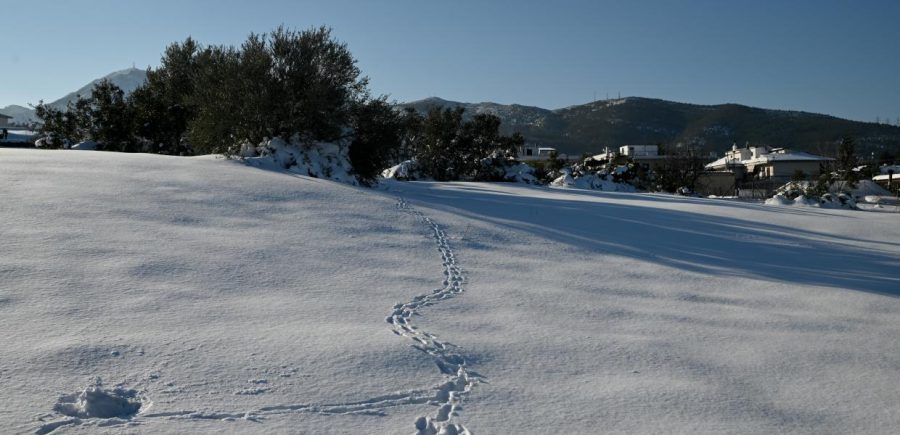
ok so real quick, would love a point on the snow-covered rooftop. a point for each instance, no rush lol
(763, 156)
(787, 156)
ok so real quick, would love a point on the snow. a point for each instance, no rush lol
(326, 160)
(405, 170)
(766, 157)
(18, 136)
(519, 173)
(86, 146)
(787, 157)
(722, 162)
(236, 296)
(95, 402)
(511, 171)
(864, 195)
(591, 181)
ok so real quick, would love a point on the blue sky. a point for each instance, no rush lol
(835, 57)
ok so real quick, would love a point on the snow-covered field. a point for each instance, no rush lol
(197, 295)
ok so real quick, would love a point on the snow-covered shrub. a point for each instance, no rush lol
(684, 191)
(579, 178)
(520, 173)
(494, 169)
(317, 159)
(795, 189)
(840, 200)
(804, 194)
(405, 170)
(498, 168)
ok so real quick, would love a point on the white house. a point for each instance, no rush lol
(4, 120)
(767, 163)
(635, 151)
(534, 152)
(888, 177)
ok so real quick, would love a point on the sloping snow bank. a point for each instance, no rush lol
(325, 160)
(590, 181)
(515, 172)
(867, 188)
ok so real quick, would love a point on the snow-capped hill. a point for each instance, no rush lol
(20, 114)
(512, 115)
(128, 80)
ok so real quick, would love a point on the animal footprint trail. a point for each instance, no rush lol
(448, 396)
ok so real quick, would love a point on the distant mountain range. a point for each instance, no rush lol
(128, 80)
(588, 128)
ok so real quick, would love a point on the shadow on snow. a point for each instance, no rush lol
(701, 243)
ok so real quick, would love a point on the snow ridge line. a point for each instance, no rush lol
(459, 381)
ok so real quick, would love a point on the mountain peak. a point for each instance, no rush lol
(127, 79)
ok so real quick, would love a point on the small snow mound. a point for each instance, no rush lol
(865, 188)
(841, 200)
(779, 199)
(95, 402)
(803, 201)
(405, 170)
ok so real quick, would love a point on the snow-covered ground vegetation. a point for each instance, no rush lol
(578, 178)
(495, 169)
(320, 160)
(858, 195)
(159, 294)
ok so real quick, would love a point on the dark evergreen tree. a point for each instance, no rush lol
(317, 84)
(437, 149)
(109, 119)
(212, 99)
(377, 133)
(411, 128)
(554, 163)
(162, 106)
(846, 162)
(217, 100)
